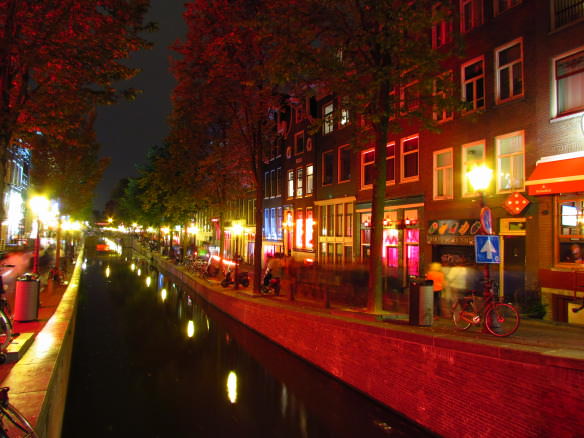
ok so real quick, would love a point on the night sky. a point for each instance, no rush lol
(127, 130)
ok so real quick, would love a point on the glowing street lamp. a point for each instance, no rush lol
(39, 206)
(480, 178)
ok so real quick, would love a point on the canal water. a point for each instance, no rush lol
(151, 359)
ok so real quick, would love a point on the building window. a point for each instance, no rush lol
(409, 158)
(299, 228)
(290, 184)
(309, 179)
(412, 252)
(502, 5)
(279, 222)
(267, 223)
(309, 229)
(328, 160)
(510, 162)
(441, 31)
(299, 182)
(473, 154)
(267, 187)
(509, 66)
(471, 14)
(569, 72)
(443, 174)
(441, 112)
(571, 229)
(299, 113)
(410, 93)
(339, 213)
(345, 117)
(299, 143)
(330, 220)
(328, 120)
(344, 164)
(272, 183)
(348, 220)
(273, 232)
(390, 164)
(473, 84)
(367, 166)
(279, 181)
(566, 12)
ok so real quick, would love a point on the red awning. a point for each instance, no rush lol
(558, 176)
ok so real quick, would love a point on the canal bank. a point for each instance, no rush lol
(453, 385)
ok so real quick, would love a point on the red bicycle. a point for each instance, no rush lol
(500, 319)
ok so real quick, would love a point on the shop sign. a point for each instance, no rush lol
(452, 231)
(515, 203)
(487, 249)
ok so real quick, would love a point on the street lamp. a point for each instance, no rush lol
(39, 206)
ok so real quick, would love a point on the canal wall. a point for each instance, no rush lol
(447, 384)
(38, 381)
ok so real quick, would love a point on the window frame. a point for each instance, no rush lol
(444, 28)
(554, 17)
(299, 182)
(291, 188)
(555, 89)
(296, 136)
(403, 178)
(340, 167)
(278, 182)
(309, 178)
(364, 152)
(464, 82)
(498, 160)
(387, 158)
(328, 123)
(476, 22)
(510, 66)
(332, 179)
(436, 169)
(435, 92)
(509, 4)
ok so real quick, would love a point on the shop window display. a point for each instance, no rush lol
(571, 230)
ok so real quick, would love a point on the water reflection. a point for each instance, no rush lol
(220, 379)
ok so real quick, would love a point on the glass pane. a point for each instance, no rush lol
(390, 175)
(518, 79)
(504, 85)
(411, 165)
(411, 144)
(369, 157)
(571, 93)
(345, 165)
(368, 175)
(439, 183)
(509, 145)
(469, 92)
(473, 70)
(505, 173)
(510, 54)
(444, 159)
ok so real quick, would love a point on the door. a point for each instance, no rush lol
(514, 267)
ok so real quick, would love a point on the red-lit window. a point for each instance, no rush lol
(471, 14)
(413, 251)
(309, 229)
(299, 228)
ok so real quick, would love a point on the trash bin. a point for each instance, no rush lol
(26, 304)
(421, 302)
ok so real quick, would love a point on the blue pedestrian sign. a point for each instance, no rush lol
(487, 249)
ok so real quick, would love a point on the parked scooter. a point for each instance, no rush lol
(271, 283)
(242, 278)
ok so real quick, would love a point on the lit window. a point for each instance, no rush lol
(328, 159)
(272, 183)
(569, 72)
(279, 222)
(273, 224)
(571, 229)
(299, 229)
(441, 94)
(290, 184)
(390, 164)
(309, 229)
(345, 119)
(503, 5)
(510, 162)
(471, 14)
(344, 164)
(367, 166)
(299, 143)
(328, 122)
(509, 66)
(473, 84)
(443, 174)
(409, 157)
(473, 154)
(566, 12)
(279, 181)
(299, 182)
(309, 179)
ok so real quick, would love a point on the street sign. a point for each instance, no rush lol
(487, 220)
(487, 249)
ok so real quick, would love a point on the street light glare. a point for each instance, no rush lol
(480, 177)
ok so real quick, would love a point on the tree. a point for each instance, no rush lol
(58, 59)
(69, 169)
(378, 57)
(222, 84)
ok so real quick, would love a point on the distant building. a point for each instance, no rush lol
(17, 181)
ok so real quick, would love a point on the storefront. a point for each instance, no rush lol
(561, 177)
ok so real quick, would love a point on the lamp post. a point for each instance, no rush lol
(480, 179)
(39, 205)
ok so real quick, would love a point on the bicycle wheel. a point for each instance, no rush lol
(502, 319)
(5, 331)
(14, 424)
(462, 308)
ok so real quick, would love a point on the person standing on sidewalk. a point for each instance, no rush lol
(437, 276)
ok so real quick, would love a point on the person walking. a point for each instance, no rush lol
(439, 282)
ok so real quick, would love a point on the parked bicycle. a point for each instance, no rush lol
(12, 422)
(6, 333)
(500, 319)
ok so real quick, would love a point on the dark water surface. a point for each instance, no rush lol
(144, 366)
